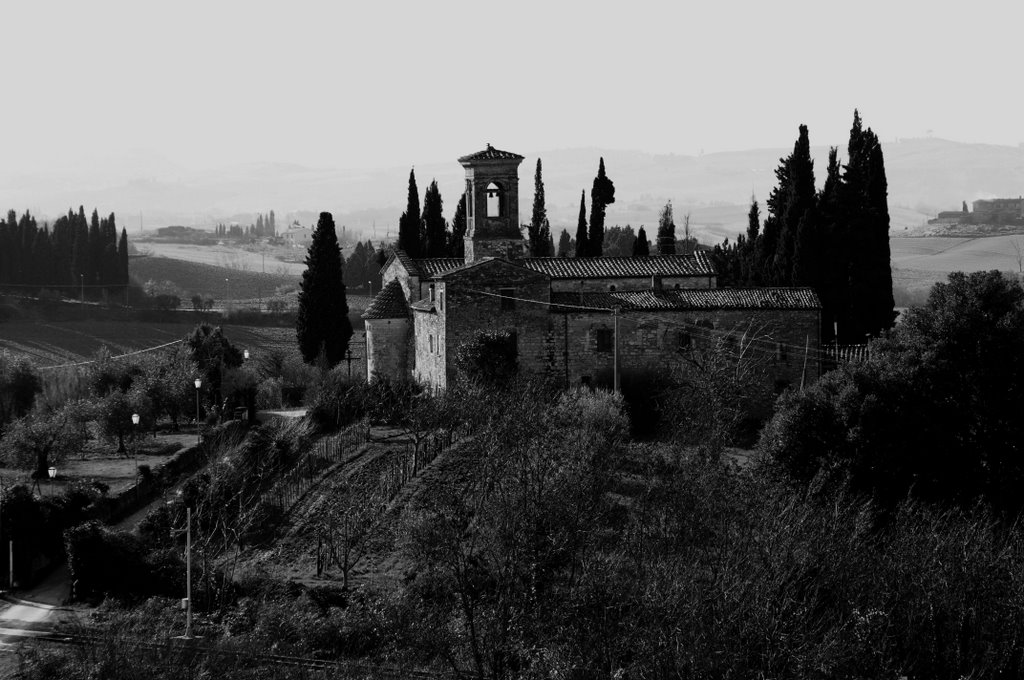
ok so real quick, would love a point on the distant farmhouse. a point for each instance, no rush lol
(986, 211)
(563, 312)
(297, 236)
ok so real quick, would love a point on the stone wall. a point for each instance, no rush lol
(653, 340)
(468, 312)
(431, 353)
(387, 342)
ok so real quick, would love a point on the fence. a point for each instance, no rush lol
(322, 455)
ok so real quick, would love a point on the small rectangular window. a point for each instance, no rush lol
(431, 292)
(430, 340)
(440, 298)
(508, 302)
(605, 339)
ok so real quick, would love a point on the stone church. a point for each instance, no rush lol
(563, 312)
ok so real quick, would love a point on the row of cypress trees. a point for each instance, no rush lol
(835, 240)
(427, 233)
(73, 253)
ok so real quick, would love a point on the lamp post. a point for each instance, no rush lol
(245, 354)
(371, 288)
(135, 449)
(199, 436)
(227, 294)
(53, 473)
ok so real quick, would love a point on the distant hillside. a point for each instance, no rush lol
(925, 176)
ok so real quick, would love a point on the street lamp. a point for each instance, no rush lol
(245, 355)
(53, 473)
(199, 437)
(135, 450)
(227, 294)
(371, 287)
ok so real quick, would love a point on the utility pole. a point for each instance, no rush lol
(188, 576)
(81, 279)
(615, 354)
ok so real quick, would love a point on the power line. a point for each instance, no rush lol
(118, 356)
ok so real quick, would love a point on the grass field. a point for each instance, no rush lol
(50, 344)
(918, 263)
(226, 257)
(210, 280)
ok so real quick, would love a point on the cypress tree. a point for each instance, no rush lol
(750, 264)
(95, 264)
(601, 195)
(564, 244)
(122, 259)
(863, 203)
(547, 242)
(538, 219)
(666, 231)
(641, 246)
(272, 226)
(409, 222)
(835, 257)
(322, 326)
(435, 229)
(457, 238)
(581, 227)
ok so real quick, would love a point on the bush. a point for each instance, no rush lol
(269, 394)
(104, 562)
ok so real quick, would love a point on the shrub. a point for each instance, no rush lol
(269, 394)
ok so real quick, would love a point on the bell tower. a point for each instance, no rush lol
(492, 206)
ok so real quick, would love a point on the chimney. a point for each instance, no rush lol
(656, 282)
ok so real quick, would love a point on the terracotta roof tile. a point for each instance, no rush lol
(621, 267)
(432, 266)
(491, 154)
(693, 298)
(389, 303)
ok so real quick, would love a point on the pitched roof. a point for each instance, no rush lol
(491, 154)
(492, 263)
(621, 267)
(429, 267)
(389, 303)
(692, 298)
(424, 305)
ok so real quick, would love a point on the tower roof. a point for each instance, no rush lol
(491, 154)
(389, 303)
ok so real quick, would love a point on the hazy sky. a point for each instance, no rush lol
(371, 83)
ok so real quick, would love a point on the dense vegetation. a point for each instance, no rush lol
(835, 240)
(75, 255)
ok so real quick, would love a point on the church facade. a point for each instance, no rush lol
(566, 314)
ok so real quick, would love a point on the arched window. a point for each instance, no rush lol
(611, 288)
(495, 200)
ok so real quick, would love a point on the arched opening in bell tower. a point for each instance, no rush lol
(495, 200)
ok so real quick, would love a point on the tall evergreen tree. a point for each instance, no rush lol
(435, 229)
(95, 265)
(564, 244)
(666, 231)
(833, 251)
(273, 226)
(641, 246)
(122, 259)
(322, 326)
(864, 205)
(457, 239)
(538, 219)
(409, 223)
(601, 196)
(581, 227)
(547, 242)
(750, 264)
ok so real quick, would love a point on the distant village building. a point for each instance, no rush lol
(998, 209)
(297, 236)
(562, 312)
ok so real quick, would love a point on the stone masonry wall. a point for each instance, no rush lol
(651, 340)
(468, 312)
(387, 342)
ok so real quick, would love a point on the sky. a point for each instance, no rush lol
(362, 84)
